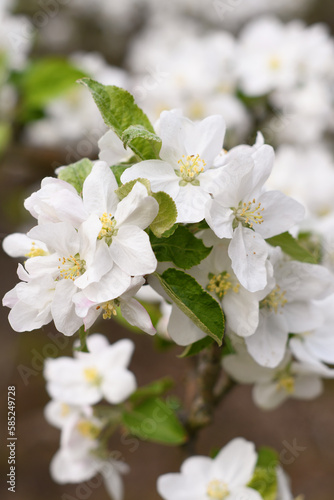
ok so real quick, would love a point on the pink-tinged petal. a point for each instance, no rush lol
(181, 329)
(136, 315)
(235, 463)
(242, 312)
(99, 190)
(118, 385)
(248, 253)
(109, 287)
(268, 344)
(190, 203)
(63, 308)
(131, 251)
(60, 236)
(137, 208)
(161, 175)
(219, 218)
(280, 213)
(269, 396)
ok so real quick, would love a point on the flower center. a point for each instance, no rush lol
(109, 308)
(35, 251)
(275, 300)
(92, 376)
(71, 267)
(65, 410)
(221, 283)
(249, 213)
(108, 229)
(88, 429)
(217, 490)
(190, 168)
(286, 382)
(274, 63)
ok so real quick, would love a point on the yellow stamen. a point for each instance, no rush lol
(108, 229)
(190, 167)
(71, 267)
(109, 309)
(274, 300)
(35, 251)
(92, 376)
(287, 383)
(88, 429)
(221, 283)
(217, 490)
(249, 213)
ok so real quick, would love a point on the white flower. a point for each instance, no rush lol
(78, 460)
(92, 376)
(224, 477)
(273, 386)
(185, 170)
(130, 308)
(112, 150)
(290, 307)
(59, 414)
(122, 225)
(242, 211)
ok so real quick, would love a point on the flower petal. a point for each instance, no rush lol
(137, 208)
(99, 190)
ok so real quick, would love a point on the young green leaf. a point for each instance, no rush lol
(195, 302)
(117, 170)
(264, 479)
(125, 189)
(120, 112)
(182, 248)
(291, 247)
(196, 347)
(154, 420)
(154, 389)
(167, 214)
(76, 173)
(152, 141)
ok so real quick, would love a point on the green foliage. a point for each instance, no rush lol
(196, 347)
(291, 247)
(120, 113)
(152, 390)
(155, 420)
(151, 142)
(182, 248)
(165, 220)
(76, 173)
(117, 170)
(264, 479)
(125, 189)
(195, 302)
(44, 80)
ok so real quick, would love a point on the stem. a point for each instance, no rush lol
(212, 385)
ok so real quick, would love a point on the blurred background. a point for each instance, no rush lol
(264, 66)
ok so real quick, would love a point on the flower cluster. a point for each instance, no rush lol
(74, 385)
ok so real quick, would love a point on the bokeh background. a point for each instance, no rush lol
(55, 130)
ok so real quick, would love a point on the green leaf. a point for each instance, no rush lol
(46, 79)
(195, 302)
(117, 170)
(125, 189)
(154, 420)
(76, 173)
(151, 142)
(167, 214)
(291, 247)
(264, 479)
(119, 112)
(154, 389)
(182, 248)
(196, 347)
